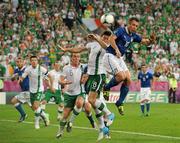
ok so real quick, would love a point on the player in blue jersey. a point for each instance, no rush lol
(145, 79)
(113, 59)
(24, 96)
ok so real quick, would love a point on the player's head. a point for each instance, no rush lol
(105, 36)
(75, 59)
(34, 61)
(143, 68)
(19, 62)
(57, 65)
(133, 24)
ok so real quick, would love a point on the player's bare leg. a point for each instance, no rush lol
(87, 108)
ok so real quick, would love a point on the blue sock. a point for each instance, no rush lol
(20, 109)
(142, 108)
(123, 93)
(112, 82)
(147, 107)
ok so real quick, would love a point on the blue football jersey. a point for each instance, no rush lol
(145, 79)
(25, 84)
(123, 40)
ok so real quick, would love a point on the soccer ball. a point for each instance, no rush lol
(107, 19)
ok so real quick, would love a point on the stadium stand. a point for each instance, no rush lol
(40, 27)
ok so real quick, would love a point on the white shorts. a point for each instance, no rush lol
(113, 64)
(145, 94)
(24, 97)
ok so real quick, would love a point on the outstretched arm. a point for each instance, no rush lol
(98, 39)
(24, 75)
(73, 50)
(112, 39)
(63, 81)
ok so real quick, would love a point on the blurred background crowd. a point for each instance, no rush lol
(41, 27)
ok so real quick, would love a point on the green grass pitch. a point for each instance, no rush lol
(162, 126)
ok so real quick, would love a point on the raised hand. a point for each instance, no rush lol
(92, 36)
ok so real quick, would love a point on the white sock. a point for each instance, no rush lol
(99, 104)
(75, 113)
(100, 119)
(60, 110)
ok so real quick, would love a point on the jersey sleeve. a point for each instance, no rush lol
(15, 71)
(118, 32)
(26, 72)
(50, 73)
(88, 46)
(150, 76)
(44, 71)
(137, 38)
(64, 72)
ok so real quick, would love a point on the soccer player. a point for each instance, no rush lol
(57, 95)
(87, 106)
(113, 60)
(24, 96)
(146, 81)
(74, 95)
(96, 79)
(36, 73)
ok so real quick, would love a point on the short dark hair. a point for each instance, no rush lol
(33, 57)
(107, 33)
(74, 54)
(143, 65)
(133, 19)
(19, 58)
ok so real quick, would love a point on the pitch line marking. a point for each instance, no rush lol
(113, 131)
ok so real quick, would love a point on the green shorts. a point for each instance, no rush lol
(95, 83)
(69, 101)
(57, 96)
(36, 97)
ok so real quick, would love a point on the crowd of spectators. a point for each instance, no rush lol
(41, 27)
(34, 27)
(161, 17)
